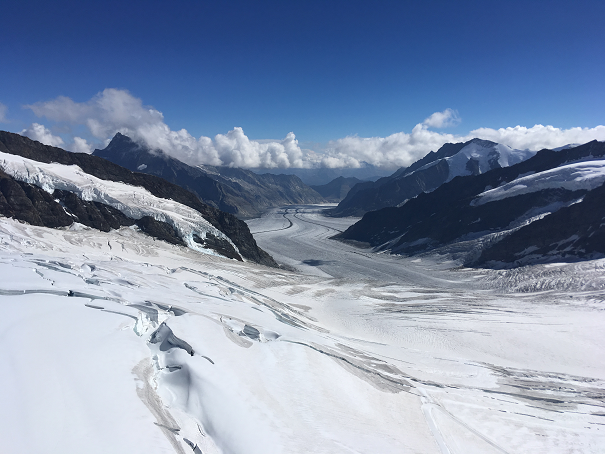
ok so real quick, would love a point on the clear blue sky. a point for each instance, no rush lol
(323, 69)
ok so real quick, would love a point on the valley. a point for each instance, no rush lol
(164, 342)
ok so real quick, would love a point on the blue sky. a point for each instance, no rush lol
(324, 70)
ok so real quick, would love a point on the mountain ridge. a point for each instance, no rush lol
(237, 191)
(453, 211)
(452, 159)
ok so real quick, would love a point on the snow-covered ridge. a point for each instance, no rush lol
(135, 202)
(486, 157)
(573, 177)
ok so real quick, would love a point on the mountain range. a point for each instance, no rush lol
(548, 207)
(474, 157)
(237, 191)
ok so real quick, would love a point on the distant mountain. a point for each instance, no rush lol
(544, 208)
(323, 175)
(451, 160)
(337, 189)
(41, 185)
(233, 190)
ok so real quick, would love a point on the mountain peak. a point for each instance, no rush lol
(482, 142)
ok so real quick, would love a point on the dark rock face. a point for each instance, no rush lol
(440, 217)
(407, 183)
(237, 191)
(160, 230)
(220, 245)
(35, 206)
(92, 214)
(31, 204)
(337, 189)
(573, 232)
(231, 226)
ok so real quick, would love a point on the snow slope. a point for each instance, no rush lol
(134, 202)
(486, 155)
(573, 177)
(504, 155)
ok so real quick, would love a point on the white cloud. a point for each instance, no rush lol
(538, 136)
(40, 133)
(443, 119)
(113, 110)
(401, 149)
(81, 146)
(3, 110)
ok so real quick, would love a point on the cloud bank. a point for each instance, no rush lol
(113, 110)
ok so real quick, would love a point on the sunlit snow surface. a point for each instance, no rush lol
(573, 177)
(116, 343)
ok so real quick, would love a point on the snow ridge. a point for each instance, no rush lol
(573, 177)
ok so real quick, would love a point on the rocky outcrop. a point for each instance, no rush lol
(233, 190)
(49, 213)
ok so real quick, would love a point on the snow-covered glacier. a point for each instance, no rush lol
(114, 342)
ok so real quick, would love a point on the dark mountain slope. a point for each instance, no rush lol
(231, 226)
(237, 191)
(337, 189)
(446, 214)
(576, 231)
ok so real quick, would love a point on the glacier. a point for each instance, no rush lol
(114, 342)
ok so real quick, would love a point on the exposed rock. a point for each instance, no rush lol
(219, 245)
(160, 230)
(573, 232)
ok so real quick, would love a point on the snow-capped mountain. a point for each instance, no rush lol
(485, 208)
(474, 157)
(70, 187)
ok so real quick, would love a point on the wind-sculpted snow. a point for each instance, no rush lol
(573, 177)
(113, 342)
(135, 202)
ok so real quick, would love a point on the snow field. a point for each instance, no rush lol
(382, 355)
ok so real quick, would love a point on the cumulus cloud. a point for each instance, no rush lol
(396, 150)
(40, 133)
(538, 136)
(113, 110)
(402, 149)
(3, 110)
(447, 118)
(81, 146)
